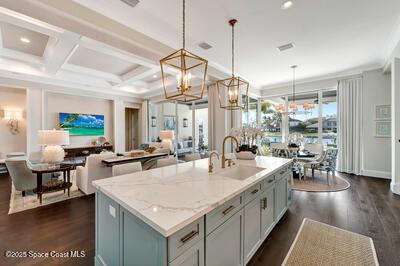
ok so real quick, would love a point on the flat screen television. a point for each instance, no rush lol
(82, 124)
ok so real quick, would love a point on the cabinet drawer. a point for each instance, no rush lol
(252, 193)
(269, 181)
(282, 172)
(223, 213)
(185, 238)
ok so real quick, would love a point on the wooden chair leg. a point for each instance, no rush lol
(334, 176)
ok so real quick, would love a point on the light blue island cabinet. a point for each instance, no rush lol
(227, 235)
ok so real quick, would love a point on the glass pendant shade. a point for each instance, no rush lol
(186, 67)
(183, 73)
(231, 90)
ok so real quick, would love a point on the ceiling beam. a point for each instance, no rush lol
(137, 75)
(15, 18)
(58, 54)
(91, 72)
(23, 57)
(115, 52)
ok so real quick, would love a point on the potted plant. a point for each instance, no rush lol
(247, 136)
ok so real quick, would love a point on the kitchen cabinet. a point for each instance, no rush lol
(280, 198)
(224, 245)
(267, 211)
(252, 227)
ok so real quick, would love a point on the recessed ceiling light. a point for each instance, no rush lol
(25, 40)
(287, 4)
(155, 76)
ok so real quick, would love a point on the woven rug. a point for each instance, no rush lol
(320, 184)
(321, 244)
(30, 201)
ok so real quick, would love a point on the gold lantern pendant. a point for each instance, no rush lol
(231, 89)
(186, 66)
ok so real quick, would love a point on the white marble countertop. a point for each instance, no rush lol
(169, 198)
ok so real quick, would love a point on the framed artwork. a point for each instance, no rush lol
(153, 121)
(169, 122)
(185, 122)
(383, 112)
(383, 129)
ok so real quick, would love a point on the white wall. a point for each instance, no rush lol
(57, 103)
(15, 99)
(376, 151)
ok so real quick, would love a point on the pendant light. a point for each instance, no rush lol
(185, 66)
(293, 104)
(231, 89)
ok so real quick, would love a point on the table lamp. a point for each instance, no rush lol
(166, 136)
(53, 140)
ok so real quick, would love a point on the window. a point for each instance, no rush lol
(201, 126)
(329, 119)
(271, 124)
(305, 121)
(249, 117)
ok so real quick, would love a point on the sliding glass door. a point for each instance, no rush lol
(189, 121)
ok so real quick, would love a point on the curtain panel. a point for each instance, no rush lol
(350, 125)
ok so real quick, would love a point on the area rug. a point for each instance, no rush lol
(30, 201)
(319, 184)
(321, 244)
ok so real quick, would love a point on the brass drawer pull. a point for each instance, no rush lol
(264, 203)
(254, 191)
(228, 210)
(189, 236)
(282, 172)
(271, 180)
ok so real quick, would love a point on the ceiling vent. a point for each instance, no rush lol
(285, 47)
(131, 3)
(205, 46)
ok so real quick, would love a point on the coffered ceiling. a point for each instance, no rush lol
(37, 51)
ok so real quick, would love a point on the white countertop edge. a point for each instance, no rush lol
(171, 231)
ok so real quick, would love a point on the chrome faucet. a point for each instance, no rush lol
(210, 163)
(223, 151)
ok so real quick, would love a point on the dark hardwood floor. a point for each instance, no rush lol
(368, 208)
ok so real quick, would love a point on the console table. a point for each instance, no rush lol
(125, 159)
(85, 151)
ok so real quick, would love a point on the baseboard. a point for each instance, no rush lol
(395, 188)
(378, 174)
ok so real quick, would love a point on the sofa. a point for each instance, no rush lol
(94, 169)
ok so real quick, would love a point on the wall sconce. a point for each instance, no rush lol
(13, 117)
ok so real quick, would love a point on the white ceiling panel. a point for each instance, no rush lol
(88, 58)
(11, 39)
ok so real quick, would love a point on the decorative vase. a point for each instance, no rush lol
(245, 155)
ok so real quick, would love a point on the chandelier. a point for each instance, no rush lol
(231, 89)
(185, 66)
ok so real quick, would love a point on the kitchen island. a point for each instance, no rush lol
(183, 215)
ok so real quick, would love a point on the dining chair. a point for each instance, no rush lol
(166, 161)
(279, 150)
(327, 163)
(127, 168)
(192, 157)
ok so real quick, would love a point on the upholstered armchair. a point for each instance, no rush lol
(94, 169)
(21, 174)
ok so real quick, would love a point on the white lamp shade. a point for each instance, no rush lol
(166, 134)
(53, 137)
